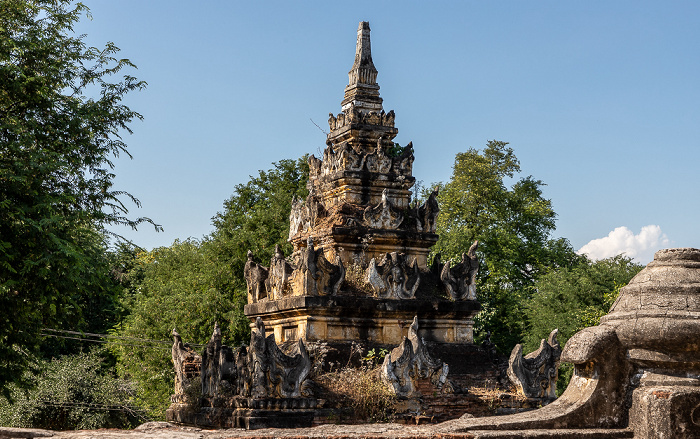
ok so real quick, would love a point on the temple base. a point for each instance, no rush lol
(248, 413)
(365, 319)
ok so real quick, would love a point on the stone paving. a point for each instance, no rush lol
(447, 430)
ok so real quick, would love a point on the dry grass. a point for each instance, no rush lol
(492, 396)
(362, 389)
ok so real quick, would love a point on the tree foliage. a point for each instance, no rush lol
(513, 226)
(572, 298)
(193, 284)
(183, 288)
(256, 217)
(56, 146)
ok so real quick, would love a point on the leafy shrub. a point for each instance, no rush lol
(375, 357)
(71, 392)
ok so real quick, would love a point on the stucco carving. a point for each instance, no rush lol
(275, 374)
(379, 118)
(218, 367)
(252, 387)
(259, 371)
(279, 273)
(314, 166)
(411, 361)
(187, 363)
(309, 273)
(255, 277)
(426, 214)
(403, 163)
(383, 215)
(378, 161)
(346, 158)
(460, 280)
(315, 275)
(535, 374)
(304, 214)
(392, 277)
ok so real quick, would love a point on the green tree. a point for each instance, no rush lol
(513, 226)
(192, 284)
(56, 176)
(95, 301)
(256, 217)
(183, 288)
(572, 298)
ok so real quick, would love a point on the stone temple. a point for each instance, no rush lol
(359, 273)
(359, 267)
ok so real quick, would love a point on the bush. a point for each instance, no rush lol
(71, 392)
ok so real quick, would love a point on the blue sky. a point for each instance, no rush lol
(600, 101)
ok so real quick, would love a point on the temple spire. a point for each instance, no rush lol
(363, 91)
(363, 70)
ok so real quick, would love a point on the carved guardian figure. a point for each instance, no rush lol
(411, 361)
(460, 279)
(378, 161)
(279, 274)
(535, 374)
(187, 365)
(403, 163)
(304, 214)
(275, 374)
(255, 277)
(427, 213)
(315, 275)
(392, 277)
(383, 215)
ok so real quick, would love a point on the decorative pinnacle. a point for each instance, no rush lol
(363, 70)
(363, 91)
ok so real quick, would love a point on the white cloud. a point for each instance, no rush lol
(639, 247)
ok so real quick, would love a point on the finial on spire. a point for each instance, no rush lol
(363, 91)
(363, 70)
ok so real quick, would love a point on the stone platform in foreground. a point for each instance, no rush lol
(163, 430)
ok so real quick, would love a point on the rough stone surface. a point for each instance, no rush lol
(675, 412)
(25, 432)
(347, 318)
(161, 430)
